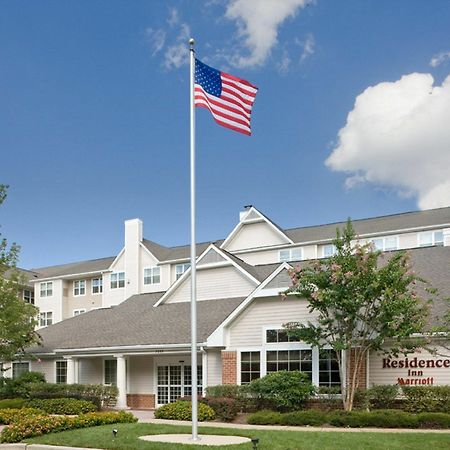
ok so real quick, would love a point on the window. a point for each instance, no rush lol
(28, 296)
(385, 243)
(180, 269)
(79, 287)
(152, 275)
(290, 254)
(289, 360)
(77, 312)
(18, 368)
(250, 366)
(110, 372)
(45, 318)
(429, 238)
(273, 336)
(328, 250)
(61, 372)
(117, 280)
(328, 369)
(97, 285)
(46, 289)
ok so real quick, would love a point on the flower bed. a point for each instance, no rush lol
(36, 425)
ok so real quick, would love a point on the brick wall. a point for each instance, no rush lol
(141, 401)
(362, 373)
(229, 367)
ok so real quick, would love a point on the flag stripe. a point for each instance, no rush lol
(226, 124)
(239, 80)
(239, 87)
(238, 118)
(225, 102)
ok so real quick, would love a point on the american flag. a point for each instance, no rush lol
(229, 98)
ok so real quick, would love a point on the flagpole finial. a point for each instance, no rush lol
(191, 42)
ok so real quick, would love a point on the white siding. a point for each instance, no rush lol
(389, 375)
(140, 372)
(407, 240)
(222, 282)
(114, 296)
(255, 235)
(214, 367)
(47, 367)
(90, 371)
(262, 257)
(147, 260)
(247, 330)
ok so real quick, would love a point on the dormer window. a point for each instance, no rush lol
(290, 254)
(430, 238)
(386, 243)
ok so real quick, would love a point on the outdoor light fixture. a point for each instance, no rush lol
(115, 431)
(255, 442)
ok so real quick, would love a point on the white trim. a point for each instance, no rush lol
(180, 280)
(80, 311)
(72, 276)
(56, 369)
(46, 289)
(117, 281)
(46, 319)
(243, 221)
(100, 286)
(152, 268)
(110, 268)
(135, 348)
(148, 251)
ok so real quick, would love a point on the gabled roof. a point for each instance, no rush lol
(93, 265)
(110, 328)
(375, 225)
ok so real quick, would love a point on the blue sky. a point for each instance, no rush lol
(351, 117)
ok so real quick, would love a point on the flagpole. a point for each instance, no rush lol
(193, 253)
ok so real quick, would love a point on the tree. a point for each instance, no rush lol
(361, 301)
(17, 318)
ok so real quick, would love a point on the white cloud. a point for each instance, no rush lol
(398, 136)
(438, 59)
(258, 23)
(156, 39)
(177, 55)
(307, 45)
(174, 18)
(285, 62)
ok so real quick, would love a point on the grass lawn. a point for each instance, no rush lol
(127, 439)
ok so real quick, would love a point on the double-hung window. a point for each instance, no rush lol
(97, 285)
(117, 280)
(79, 287)
(19, 368)
(45, 318)
(328, 250)
(61, 372)
(429, 238)
(328, 369)
(152, 275)
(180, 269)
(250, 366)
(28, 296)
(46, 289)
(290, 254)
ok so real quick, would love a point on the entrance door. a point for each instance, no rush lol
(174, 381)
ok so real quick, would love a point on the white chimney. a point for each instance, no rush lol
(133, 238)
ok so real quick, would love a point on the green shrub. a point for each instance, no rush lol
(300, 418)
(225, 390)
(382, 396)
(98, 394)
(434, 420)
(20, 386)
(12, 403)
(379, 419)
(361, 399)
(62, 405)
(38, 425)
(330, 397)
(284, 390)
(265, 417)
(427, 398)
(8, 416)
(181, 410)
(226, 409)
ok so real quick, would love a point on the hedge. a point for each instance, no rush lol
(42, 424)
(353, 419)
(97, 393)
(62, 405)
(12, 403)
(12, 415)
(182, 410)
(427, 398)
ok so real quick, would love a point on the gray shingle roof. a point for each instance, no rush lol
(136, 322)
(93, 265)
(382, 224)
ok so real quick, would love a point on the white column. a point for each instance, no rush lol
(70, 370)
(204, 372)
(121, 382)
